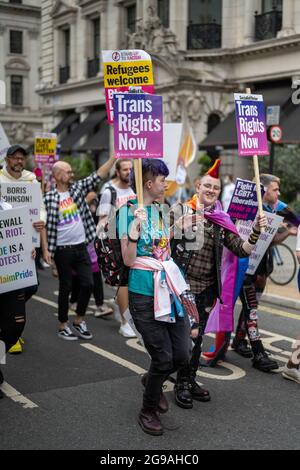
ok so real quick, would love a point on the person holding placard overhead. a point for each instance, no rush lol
(70, 228)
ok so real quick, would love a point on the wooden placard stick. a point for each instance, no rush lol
(257, 178)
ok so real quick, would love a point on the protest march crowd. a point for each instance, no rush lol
(177, 266)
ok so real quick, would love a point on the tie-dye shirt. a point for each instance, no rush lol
(70, 229)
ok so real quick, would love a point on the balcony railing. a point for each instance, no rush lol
(93, 67)
(64, 74)
(204, 36)
(267, 24)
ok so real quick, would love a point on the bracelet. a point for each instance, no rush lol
(257, 232)
(133, 240)
(253, 238)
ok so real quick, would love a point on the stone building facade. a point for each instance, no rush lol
(202, 52)
(20, 25)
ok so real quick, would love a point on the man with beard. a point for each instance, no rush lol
(115, 196)
(70, 227)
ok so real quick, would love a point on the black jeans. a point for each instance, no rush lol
(167, 343)
(205, 302)
(12, 317)
(68, 258)
(97, 290)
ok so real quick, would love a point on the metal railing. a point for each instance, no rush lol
(93, 67)
(204, 36)
(64, 74)
(267, 24)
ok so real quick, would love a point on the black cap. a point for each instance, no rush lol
(15, 148)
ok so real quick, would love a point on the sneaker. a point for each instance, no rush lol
(291, 374)
(67, 334)
(82, 330)
(17, 348)
(103, 310)
(264, 363)
(242, 347)
(127, 331)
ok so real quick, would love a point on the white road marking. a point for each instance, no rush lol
(16, 396)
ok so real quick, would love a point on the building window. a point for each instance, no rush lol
(16, 90)
(93, 64)
(205, 24)
(64, 71)
(269, 5)
(163, 8)
(212, 122)
(16, 1)
(16, 42)
(269, 22)
(131, 18)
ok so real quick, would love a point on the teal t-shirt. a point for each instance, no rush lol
(154, 241)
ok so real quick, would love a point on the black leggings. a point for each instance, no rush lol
(12, 317)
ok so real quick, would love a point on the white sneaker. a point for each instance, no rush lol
(127, 331)
(67, 334)
(291, 374)
(103, 310)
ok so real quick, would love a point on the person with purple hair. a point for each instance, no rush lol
(155, 285)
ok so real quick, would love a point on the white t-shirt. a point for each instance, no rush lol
(298, 240)
(70, 229)
(123, 195)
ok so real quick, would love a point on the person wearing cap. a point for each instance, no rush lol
(204, 269)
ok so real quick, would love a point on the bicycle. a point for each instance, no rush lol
(285, 264)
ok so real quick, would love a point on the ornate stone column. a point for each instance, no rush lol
(287, 28)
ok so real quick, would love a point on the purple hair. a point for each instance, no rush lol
(151, 168)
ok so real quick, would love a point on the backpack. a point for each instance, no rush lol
(109, 253)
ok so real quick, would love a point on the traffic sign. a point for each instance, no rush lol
(275, 134)
(273, 115)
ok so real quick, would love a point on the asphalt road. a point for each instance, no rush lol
(86, 394)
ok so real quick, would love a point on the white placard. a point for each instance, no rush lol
(25, 194)
(4, 144)
(264, 241)
(172, 140)
(17, 267)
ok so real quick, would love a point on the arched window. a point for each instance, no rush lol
(212, 122)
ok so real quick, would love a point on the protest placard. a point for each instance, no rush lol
(250, 124)
(138, 125)
(4, 144)
(172, 133)
(243, 204)
(45, 145)
(244, 229)
(17, 267)
(27, 195)
(126, 70)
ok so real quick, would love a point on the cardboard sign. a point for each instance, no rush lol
(250, 124)
(126, 70)
(45, 145)
(4, 144)
(244, 228)
(243, 204)
(17, 267)
(26, 195)
(138, 126)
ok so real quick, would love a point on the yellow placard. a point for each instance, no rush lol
(44, 146)
(128, 74)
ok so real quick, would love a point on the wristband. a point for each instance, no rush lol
(256, 232)
(133, 240)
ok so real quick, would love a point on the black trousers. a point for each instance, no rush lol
(205, 302)
(12, 317)
(68, 258)
(168, 345)
(97, 290)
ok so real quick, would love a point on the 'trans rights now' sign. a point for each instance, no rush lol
(138, 126)
(250, 125)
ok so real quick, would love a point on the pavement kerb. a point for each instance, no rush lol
(280, 301)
